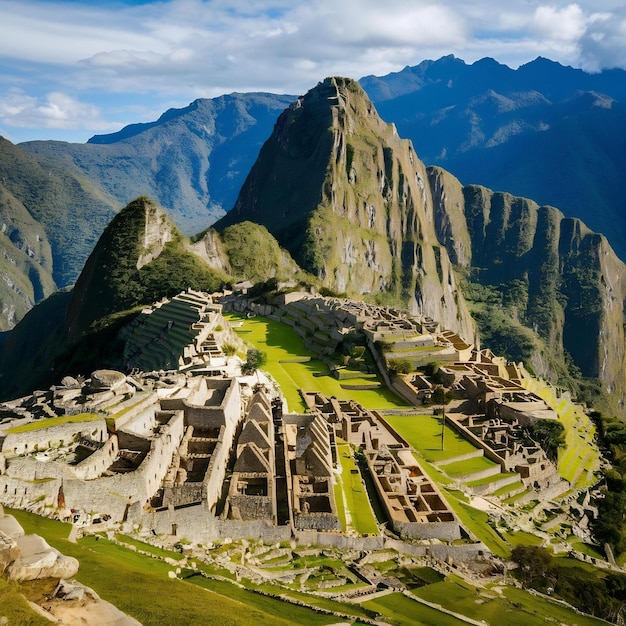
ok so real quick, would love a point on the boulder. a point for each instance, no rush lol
(106, 379)
(87, 607)
(37, 560)
(10, 526)
(9, 551)
(70, 381)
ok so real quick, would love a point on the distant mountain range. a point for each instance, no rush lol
(543, 131)
(359, 212)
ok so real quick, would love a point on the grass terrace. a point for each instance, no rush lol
(513, 607)
(423, 432)
(580, 458)
(284, 349)
(49, 422)
(400, 610)
(147, 592)
(353, 494)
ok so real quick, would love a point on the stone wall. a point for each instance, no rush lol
(16, 444)
(477, 441)
(95, 464)
(446, 531)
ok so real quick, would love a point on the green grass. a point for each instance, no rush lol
(423, 432)
(49, 422)
(581, 457)
(282, 344)
(514, 608)
(139, 585)
(476, 522)
(355, 494)
(402, 611)
(146, 547)
(492, 479)
(469, 466)
(523, 538)
(14, 608)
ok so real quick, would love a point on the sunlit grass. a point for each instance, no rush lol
(281, 345)
(355, 494)
(423, 432)
(48, 422)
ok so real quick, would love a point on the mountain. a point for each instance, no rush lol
(356, 207)
(534, 266)
(47, 215)
(192, 161)
(140, 258)
(350, 201)
(56, 198)
(544, 131)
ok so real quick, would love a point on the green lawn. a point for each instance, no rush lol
(282, 345)
(467, 467)
(48, 422)
(423, 432)
(354, 493)
(139, 585)
(514, 608)
(402, 611)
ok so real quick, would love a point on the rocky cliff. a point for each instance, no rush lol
(557, 276)
(350, 200)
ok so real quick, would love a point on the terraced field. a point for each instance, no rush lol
(285, 348)
(581, 457)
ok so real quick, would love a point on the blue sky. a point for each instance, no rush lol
(70, 69)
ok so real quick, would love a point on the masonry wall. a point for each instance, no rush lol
(112, 494)
(446, 531)
(16, 444)
(94, 465)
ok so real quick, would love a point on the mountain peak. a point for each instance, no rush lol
(349, 199)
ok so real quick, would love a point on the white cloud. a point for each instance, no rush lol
(56, 110)
(182, 49)
(566, 24)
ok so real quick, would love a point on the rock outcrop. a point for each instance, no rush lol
(37, 559)
(572, 286)
(350, 200)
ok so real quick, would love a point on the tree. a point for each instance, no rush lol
(535, 565)
(550, 435)
(399, 366)
(255, 359)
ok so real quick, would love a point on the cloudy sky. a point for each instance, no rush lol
(70, 69)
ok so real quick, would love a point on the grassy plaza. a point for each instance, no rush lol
(284, 347)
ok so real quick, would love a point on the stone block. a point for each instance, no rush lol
(9, 551)
(38, 560)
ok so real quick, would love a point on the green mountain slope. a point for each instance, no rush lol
(139, 259)
(350, 201)
(543, 270)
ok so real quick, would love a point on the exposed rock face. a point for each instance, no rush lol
(8, 551)
(575, 284)
(157, 232)
(350, 200)
(210, 248)
(39, 560)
